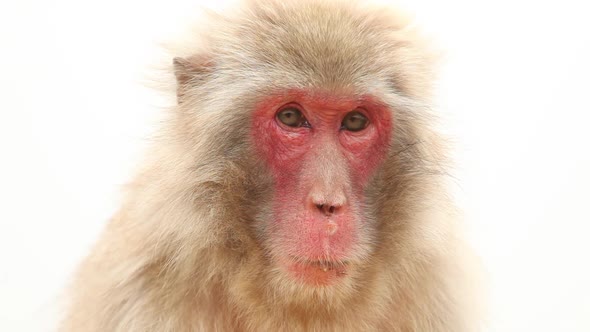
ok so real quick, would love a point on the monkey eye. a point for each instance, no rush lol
(292, 117)
(355, 121)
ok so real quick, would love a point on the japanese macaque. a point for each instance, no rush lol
(298, 185)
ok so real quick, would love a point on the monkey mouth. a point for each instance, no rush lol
(318, 272)
(325, 265)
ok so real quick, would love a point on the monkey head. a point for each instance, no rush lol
(314, 98)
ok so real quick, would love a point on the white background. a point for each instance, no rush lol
(75, 115)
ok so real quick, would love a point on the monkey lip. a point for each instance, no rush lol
(318, 272)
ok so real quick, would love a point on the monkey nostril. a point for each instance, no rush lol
(326, 209)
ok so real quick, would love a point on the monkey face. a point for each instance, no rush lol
(321, 150)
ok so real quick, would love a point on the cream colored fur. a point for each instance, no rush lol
(184, 252)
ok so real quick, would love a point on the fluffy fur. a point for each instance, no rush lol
(185, 251)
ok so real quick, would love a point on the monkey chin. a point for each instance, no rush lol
(318, 273)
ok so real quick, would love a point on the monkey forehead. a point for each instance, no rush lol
(322, 43)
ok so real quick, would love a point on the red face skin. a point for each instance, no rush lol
(320, 173)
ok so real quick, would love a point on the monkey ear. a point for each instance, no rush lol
(190, 72)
